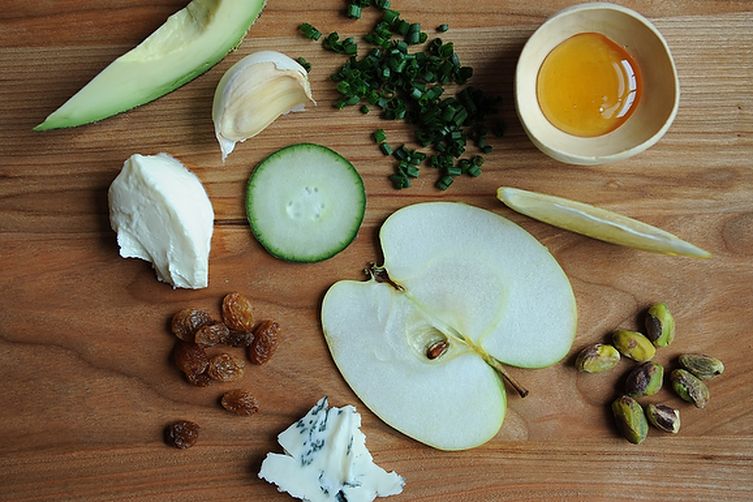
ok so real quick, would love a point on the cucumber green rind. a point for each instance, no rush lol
(354, 184)
(147, 70)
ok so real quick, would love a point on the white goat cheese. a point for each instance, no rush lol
(162, 214)
(326, 459)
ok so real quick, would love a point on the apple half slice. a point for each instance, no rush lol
(463, 279)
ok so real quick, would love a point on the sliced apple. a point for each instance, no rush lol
(459, 274)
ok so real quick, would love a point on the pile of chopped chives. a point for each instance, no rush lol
(409, 86)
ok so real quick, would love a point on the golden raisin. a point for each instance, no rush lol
(238, 339)
(236, 312)
(199, 380)
(226, 368)
(182, 434)
(192, 360)
(266, 338)
(185, 323)
(212, 333)
(240, 402)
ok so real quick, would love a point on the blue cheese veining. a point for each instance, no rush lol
(326, 459)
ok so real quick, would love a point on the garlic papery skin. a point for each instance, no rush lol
(253, 93)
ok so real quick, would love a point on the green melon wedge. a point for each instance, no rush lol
(188, 44)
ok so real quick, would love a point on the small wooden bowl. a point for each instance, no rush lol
(657, 106)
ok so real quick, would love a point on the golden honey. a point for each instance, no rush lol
(588, 85)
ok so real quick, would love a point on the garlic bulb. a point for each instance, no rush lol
(253, 93)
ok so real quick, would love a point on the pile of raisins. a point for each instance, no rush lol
(196, 331)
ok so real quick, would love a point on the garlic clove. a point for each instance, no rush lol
(253, 93)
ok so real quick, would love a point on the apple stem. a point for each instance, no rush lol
(379, 274)
(522, 391)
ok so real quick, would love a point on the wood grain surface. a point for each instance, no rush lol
(87, 383)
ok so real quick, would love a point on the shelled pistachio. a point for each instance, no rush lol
(660, 325)
(663, 417)
(597, 358)
(634, 345)
(645, 380)
(630, 419)
(703, 366)
(690, 388)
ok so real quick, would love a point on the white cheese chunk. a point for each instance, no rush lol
(162, 214)
(326, 459)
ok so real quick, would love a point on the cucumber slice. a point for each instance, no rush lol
(305, 203)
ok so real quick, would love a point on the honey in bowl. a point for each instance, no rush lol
(588, 85)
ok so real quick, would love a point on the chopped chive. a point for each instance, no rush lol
(442, 28)
(474, 171)
(478, 160)
(343, 87)
(400, 153)
(463, 75)
(379, 135)
(349, 46)
(309, 31)
(382, 4)
(413, 37)
(302, 61)
(412, 171)
(386, 149)
(390, 16)
(400, 181)
(445, 182)
(454, 171)
(364, 109)
(331, 42)
(402, 27)
(354, 11)
(446, 50)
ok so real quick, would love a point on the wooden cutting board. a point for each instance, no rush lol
(87, 383)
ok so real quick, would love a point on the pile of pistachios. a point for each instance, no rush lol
(647, 378)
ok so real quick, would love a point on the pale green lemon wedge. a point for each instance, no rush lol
(596, 223)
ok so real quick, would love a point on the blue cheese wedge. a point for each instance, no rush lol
(162, 214)
(326, 459)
